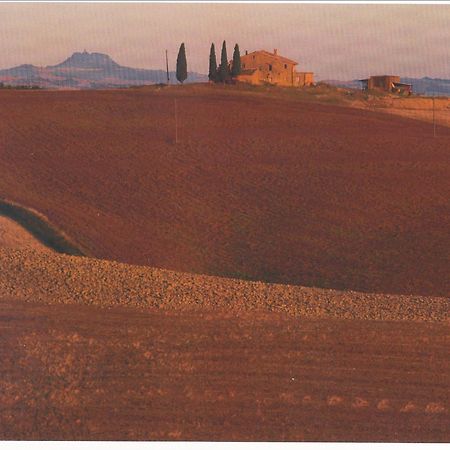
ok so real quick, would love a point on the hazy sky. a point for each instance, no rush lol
(334, 41)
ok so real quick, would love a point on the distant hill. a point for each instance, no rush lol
(424, 86)
(429, 86)
(85, 70)
(351, 84)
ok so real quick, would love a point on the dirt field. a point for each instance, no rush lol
(101, 350)
(274, 189)
(53, 278)
(80, 372)
(194, 357)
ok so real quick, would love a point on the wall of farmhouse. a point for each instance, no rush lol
(270, 69)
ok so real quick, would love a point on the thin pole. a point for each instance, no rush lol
(176, 122)
(434, 118)
(167, 68)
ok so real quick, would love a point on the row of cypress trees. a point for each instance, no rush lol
(218, 74)
(223, 73)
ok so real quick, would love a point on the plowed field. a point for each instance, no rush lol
(258, 187)
(80, 372)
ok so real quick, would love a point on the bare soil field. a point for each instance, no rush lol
(274, 189)
(99, 350)
(52, 278)
(80, 372)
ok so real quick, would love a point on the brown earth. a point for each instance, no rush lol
(53, 278)
(96, 349)
(265, 187)
(205, 358)
(80, 372)
(12, 235)
(195, 357)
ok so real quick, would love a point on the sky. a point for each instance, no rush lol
(333, 41)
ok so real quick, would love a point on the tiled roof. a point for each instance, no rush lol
(272, 55)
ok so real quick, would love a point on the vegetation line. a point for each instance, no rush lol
(40, 227)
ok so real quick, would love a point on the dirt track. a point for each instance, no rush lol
(80, 372)
(274, 189)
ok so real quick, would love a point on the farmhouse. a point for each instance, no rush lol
(389, 83)
(263, 67)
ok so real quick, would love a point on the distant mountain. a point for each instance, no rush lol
(87, 60)
(424, 86)
(85, 70)
(429, 86)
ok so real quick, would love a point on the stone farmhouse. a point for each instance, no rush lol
(263, 67)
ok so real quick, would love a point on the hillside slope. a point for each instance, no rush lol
(98, 350)
(273, 189)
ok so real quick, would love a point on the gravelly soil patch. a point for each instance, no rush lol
(54, 278)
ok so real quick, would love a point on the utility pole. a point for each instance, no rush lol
(167, 68)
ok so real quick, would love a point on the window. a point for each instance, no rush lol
(270, 66)
(243, 66)
(285, 66)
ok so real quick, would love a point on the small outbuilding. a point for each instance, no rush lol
(388, 83)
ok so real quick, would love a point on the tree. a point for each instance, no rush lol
(224, 73)
(236, 68)
(181, 64)
(212, 75)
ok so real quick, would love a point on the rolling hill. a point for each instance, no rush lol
(262, 184)
(263, 188)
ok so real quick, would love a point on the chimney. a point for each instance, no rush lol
(246, 52)
(275, 51)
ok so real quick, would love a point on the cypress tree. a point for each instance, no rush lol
(212, 75)
(224, 73)
(181, 64)
(236, 69)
